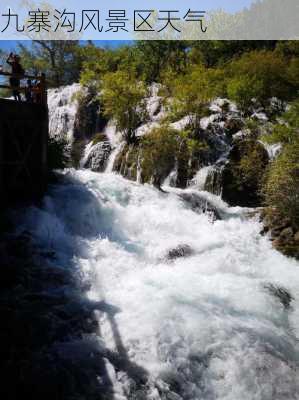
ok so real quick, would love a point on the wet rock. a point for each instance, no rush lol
(88, 119)
(126, 162)
(232, 126)
(283, 234)
(281, 294)
(183, 250)
(286, 234)
(98, 157)
(200, 205)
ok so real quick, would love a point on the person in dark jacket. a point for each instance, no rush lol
(17, 71)
(29, 91)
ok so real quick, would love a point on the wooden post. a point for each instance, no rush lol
(43, 85)
(1, 164)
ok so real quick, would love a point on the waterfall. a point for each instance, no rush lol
(139, 168)
(199, 181)
(62, 111)
(171, 179)
(189, 312)
(113, 156)
(273, 150)
(213, 183)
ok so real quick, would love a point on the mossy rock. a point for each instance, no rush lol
(243, 174)
(89, 118)
(99, 137)
(127, 161)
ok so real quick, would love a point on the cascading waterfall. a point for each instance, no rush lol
(113, 156)
(62, 111)
(203, 326)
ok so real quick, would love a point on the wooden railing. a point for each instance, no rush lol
(40, 88)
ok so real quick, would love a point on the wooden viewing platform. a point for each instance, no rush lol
(41, 79)
(23, 145)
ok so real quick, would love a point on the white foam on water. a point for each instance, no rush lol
(204, 326)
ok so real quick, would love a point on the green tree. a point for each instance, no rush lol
(192, 92)
(262, 74)
(243, 90)
(124, 101)
(155, 56)
(61, 60)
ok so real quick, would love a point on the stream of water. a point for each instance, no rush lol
(201, 327)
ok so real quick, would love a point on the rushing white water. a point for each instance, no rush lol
(273, 150)
(62, 111)
(200, 178)
(203, 327)
(113, 156)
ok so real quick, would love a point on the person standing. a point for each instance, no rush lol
(17, 73)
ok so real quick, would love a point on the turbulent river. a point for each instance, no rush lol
(208, 326)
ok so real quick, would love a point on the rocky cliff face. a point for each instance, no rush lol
(231, 166)
(223, 168)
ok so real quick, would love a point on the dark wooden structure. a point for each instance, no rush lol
(23, 149)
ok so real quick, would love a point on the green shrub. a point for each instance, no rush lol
(192, 92)
(162, 148)
(124, 101)
(281, 185)
(158, 151)
(243, 90)
(260, 75)
(287, 131)
(242, 176)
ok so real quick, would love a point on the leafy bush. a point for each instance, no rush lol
(124, 101)
(243, 90)
(287, 131)
(263, 74)
(164, 147)
(159, 150)
(242, 176)
(281, 186)
(191, 93)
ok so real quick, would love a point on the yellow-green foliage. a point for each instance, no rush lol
(243, 89)
(124, 101)
(242, 176)
(252, 167)
(287, 131)
(281, 187)
(260, 75)
(192, 92)
(162, 147)
(158, 153)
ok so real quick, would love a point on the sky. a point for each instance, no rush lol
(11, 45)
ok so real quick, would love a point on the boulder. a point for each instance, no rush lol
(200, 205)
(296, 237)
(98, 157)
(182, 250)
(286, 235)
(281, 294)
